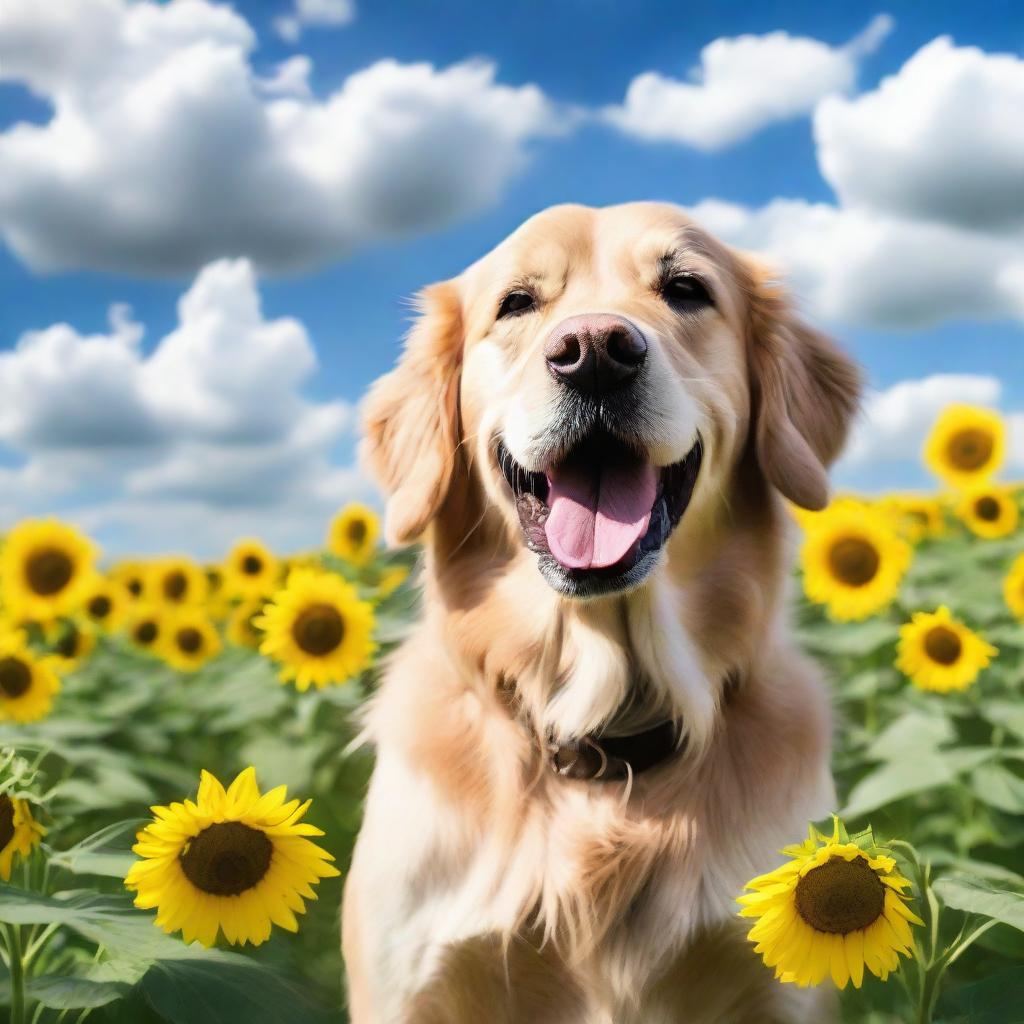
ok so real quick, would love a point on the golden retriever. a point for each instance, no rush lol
(600, 728)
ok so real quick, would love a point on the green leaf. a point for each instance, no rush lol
(910, 734)
(850, 639)
(106, 852)
(896, 780)
(976, 896)
(216, 987)
(998, 999)
(1010, 635)
(967, 865)
(999, 787)
(1007, 714)
(964, 759)
(98, 985)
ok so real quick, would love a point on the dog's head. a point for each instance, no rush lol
(599, 378)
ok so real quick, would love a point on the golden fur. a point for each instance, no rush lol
(484, 887)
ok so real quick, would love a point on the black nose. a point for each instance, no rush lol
(595, 352)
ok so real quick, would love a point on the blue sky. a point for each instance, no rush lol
(347, 285)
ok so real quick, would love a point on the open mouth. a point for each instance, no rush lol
(598, 517)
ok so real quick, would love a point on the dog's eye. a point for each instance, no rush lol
(514, 303)
(684, 291)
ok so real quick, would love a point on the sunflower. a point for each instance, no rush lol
(219, 601)
(214, 580)
(146, 627)
(834, 908)
(853, 561)
(189, 639)
(915, 516)
(353, 533)
(44, 569)
(106, 604)
(235, 862)
(938, 653)
(966, 445)
(250, 569)
(242, 631)
(1013, 588)
(27, 684)
(177, 581)
(19, 832)
(989, 512)
(70, 644)
(133, 576)
(318, 629)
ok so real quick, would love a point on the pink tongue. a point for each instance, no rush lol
(598, 514)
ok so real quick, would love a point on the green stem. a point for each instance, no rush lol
(932, 982)
(17, 970)
(35, 945)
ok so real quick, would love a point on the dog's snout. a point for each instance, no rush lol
(595, 352)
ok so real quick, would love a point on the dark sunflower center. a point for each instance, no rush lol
(318, 629)
(175, 585)
(135, 587)
(49, 571)
(853, 561)
(252, 565)
(227, 858)
(6, 821)
(145, 632)
(941, 644)
(189, 639)
(987, 508)
(15, 677)
(67, 645)
(99, 606)
(357, 531)
(970, 449)
(840, 896)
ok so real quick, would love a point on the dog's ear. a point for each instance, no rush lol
(411, 417)
(805, 393)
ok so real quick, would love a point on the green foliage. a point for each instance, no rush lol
(944, 772)
(941, 772)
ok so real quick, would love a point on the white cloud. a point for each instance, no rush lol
(742, 85)
(929, 174)
(858, 266)
(206, 436)
(290, 78)
(941, 140)
(314, 14)
(166, 150)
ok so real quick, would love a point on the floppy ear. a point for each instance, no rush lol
(411, 417)
(805, 394)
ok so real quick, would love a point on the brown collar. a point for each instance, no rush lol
(615, 758)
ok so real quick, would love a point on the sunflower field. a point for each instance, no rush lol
(180, 782)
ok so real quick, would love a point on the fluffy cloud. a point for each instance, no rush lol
(929, 173)
(205, 436)
(860, 266)
(314, 14)
(165, 150)
(895, 422)
(741, 85)
(939, 141)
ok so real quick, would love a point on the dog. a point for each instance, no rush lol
(600, 728)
